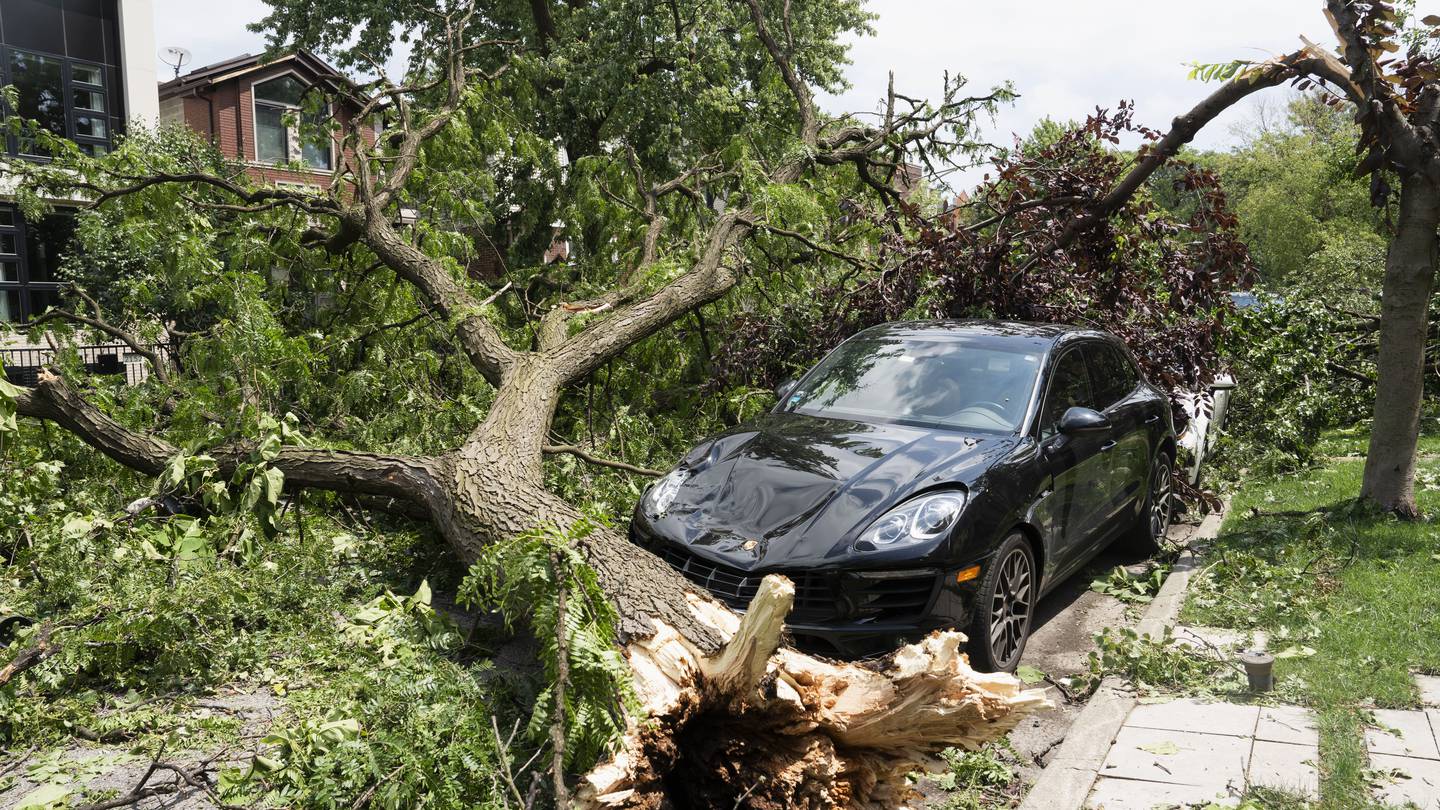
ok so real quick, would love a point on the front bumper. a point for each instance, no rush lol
(848, 613)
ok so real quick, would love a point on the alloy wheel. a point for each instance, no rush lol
(1010, 606)
(1160, 500)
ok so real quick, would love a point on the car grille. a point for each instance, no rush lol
(818, 597)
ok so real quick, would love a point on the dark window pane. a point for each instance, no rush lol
(10, 271)
(7, 244)
(46, 242)
(282, 90)
(272, 140)
(316, 151)
(91, 126)
(87, 74)
(9, 306)
(38, 83)
(1113, 380)
(7, 217)
(41, 300)
(94, 149)
(1069, 388)
(92, 100)
(85, 29)
(34, 24)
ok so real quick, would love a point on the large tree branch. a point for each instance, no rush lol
(481, 340)
(1182, 130)
(402, 477)
(707, 281)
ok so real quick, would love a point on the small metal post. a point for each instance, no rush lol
(1259, 669)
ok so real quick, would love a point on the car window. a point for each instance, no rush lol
(1114, 375)
(942, 382)
(1069, 388)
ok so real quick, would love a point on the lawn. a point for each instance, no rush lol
(1352, 596)
(1353, 441)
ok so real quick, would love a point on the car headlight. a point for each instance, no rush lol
(915, 521)
(662, 494)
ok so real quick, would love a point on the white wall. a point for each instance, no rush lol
(139, 59)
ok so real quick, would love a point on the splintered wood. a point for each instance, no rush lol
(756, 725)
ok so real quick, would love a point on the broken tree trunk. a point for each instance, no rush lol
(760, 725)
(728, 713)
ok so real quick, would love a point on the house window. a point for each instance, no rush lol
(284, 131)
(62, 57)
(30, 257)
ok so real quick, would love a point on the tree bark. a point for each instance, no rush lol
(791, 729)
(1400, 386)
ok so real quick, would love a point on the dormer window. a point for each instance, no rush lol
(285, 131)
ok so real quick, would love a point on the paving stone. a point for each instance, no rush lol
(1192, 715)
(1132, 794)
(1287, 724)
(1429, 688)
(1214, 761)
(1286, 767)
(1420, 785)
(1415, 738)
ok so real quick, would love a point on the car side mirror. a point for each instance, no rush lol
(785, 389)
(1083, 422)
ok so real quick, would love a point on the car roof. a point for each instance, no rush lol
(1035, 335)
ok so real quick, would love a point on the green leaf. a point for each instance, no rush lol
(274, 484)
(46, 796)
(1029, 675)
(1163, 748)
(1296, 651)
(422, 594)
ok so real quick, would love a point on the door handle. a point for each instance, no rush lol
(1152, 419)
(1107, 446)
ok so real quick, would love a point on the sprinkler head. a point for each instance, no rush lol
(1259, 669)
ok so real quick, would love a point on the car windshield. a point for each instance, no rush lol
(945, 382)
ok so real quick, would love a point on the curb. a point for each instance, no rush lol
(1065, 782)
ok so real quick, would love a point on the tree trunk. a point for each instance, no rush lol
(730, 718)
(1400, 386)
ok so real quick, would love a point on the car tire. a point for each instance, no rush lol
(1004, 607)
(1148, 531)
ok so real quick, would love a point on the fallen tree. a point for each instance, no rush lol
(800, 730)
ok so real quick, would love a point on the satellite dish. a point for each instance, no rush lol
(176, 57)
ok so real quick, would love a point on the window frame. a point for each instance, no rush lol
(1078, 348)
(68, 86)
(24, 286)
(293, 136)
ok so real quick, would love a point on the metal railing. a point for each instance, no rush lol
(22, 365)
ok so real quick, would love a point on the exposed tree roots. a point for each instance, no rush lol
(756, 725)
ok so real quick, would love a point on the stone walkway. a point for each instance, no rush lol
(1404, 749)
(1192, 752)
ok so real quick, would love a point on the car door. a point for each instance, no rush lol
(1127, 453)
(1077, 464)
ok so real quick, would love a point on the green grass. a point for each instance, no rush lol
(1354, 441)
(1360, 590)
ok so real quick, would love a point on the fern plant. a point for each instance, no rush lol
(526, 575)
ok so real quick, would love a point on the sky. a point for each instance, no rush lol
(1064, 57)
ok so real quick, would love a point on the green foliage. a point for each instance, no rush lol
(1128, 587)
(526, 577)
(1155, 663)
(1284, 355)
(977, 779)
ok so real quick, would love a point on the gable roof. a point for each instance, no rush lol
(236, 67)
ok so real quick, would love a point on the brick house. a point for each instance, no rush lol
(252, 111)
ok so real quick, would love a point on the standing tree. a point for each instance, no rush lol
(691, 128)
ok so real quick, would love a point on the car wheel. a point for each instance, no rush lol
(1004, 607)
(1153, 522)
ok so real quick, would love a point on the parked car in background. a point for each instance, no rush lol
(925, 475)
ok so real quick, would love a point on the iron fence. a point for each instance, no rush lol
(22, 365)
